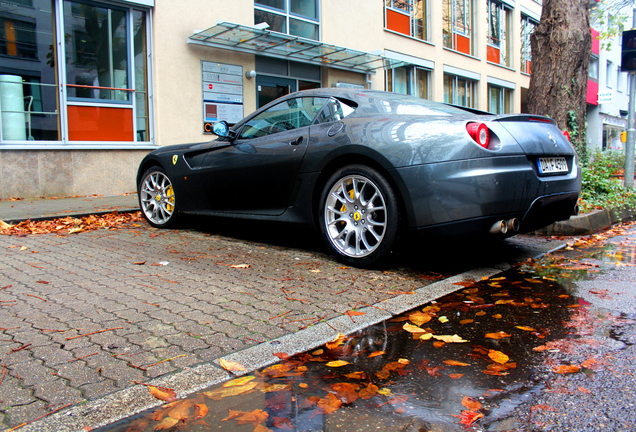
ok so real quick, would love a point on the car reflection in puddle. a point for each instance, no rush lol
(464, 362)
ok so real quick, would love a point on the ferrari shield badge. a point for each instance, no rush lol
(175, 158)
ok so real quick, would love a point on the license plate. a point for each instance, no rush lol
(551, 165)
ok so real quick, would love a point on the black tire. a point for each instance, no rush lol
(157, 198)
(359, 216)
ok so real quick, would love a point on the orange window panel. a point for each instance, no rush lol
(87, 123)
(493, 54)
(462, 44)
(398, 22)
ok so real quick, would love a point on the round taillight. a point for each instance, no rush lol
(480, 133)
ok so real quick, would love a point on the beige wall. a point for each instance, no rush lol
(63, 173)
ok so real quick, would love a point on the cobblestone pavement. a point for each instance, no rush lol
(84, 315)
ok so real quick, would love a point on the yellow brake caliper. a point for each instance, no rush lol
(170, 193)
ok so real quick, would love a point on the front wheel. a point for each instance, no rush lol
(359, 216)
(157, 198)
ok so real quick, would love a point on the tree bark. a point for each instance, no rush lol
(561, 45)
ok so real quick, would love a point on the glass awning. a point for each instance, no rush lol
(269, 43)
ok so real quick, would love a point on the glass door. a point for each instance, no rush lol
(269, 88)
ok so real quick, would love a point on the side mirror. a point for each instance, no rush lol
(221, 129)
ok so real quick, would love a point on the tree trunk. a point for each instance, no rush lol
(561, 46)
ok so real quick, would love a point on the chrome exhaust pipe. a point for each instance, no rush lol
(500, 227)
(514, 224)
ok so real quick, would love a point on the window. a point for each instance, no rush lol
(409, 80)
(593, 70)
(294, 17)
(499, 22)
(287, 115)
(457, 17)
(459, 91)
(103, 54)
(97, 60)
(609, 74)
(499, 99)
(527, 28)
(17, 38)
(27, 72)
(409, 17)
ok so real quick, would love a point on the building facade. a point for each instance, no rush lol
(87, 87)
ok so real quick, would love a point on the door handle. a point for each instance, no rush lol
(297, 141)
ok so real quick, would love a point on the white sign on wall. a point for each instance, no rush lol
(222, 93)
(606, 97)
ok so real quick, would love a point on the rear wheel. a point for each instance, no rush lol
(359, 216)
(157, 199)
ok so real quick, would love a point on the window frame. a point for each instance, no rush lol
(456, 84)
(409, 9)
(458, 20)
(288, 16)
(412, 82)
(528, 25)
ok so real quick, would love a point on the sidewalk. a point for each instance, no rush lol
(35, 209)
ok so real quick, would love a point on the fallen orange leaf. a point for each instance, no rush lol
(471, 403)
(336, 342)
(565, 369)
(245, 417)
(337, 363)
(468, 417)
(231, 366)
(497, 335)
(455, 363)
(498, 356)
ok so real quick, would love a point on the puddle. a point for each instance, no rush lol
(462, 363)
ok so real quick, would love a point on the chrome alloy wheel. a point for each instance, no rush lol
(156, 196)
(355, 216)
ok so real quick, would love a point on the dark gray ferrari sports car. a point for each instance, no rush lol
(365, 167)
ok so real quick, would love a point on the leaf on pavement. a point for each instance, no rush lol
(357, 375)
(162, 393)
(240, 266)
(220, 393)
(418, 318)
(329, 404)
(498, 356)
(455, 363)
(246, 417)
(337, 363)
(336, 342)
(369, 391)
(471, 403)
(354, 313)
(376, 354)
(239, 381)
(525, 328)
(200, 411)
(413, 329)
(566, 369)
(450, 339)
(468, 417)
(497, 335)
(346, 392)
(231, 366)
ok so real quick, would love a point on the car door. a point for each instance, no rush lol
(256, 174)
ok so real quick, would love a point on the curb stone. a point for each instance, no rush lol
(588, 223)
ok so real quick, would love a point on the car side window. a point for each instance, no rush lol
(335, 110)
(287, 115)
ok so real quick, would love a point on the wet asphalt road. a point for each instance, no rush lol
(603, 336)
